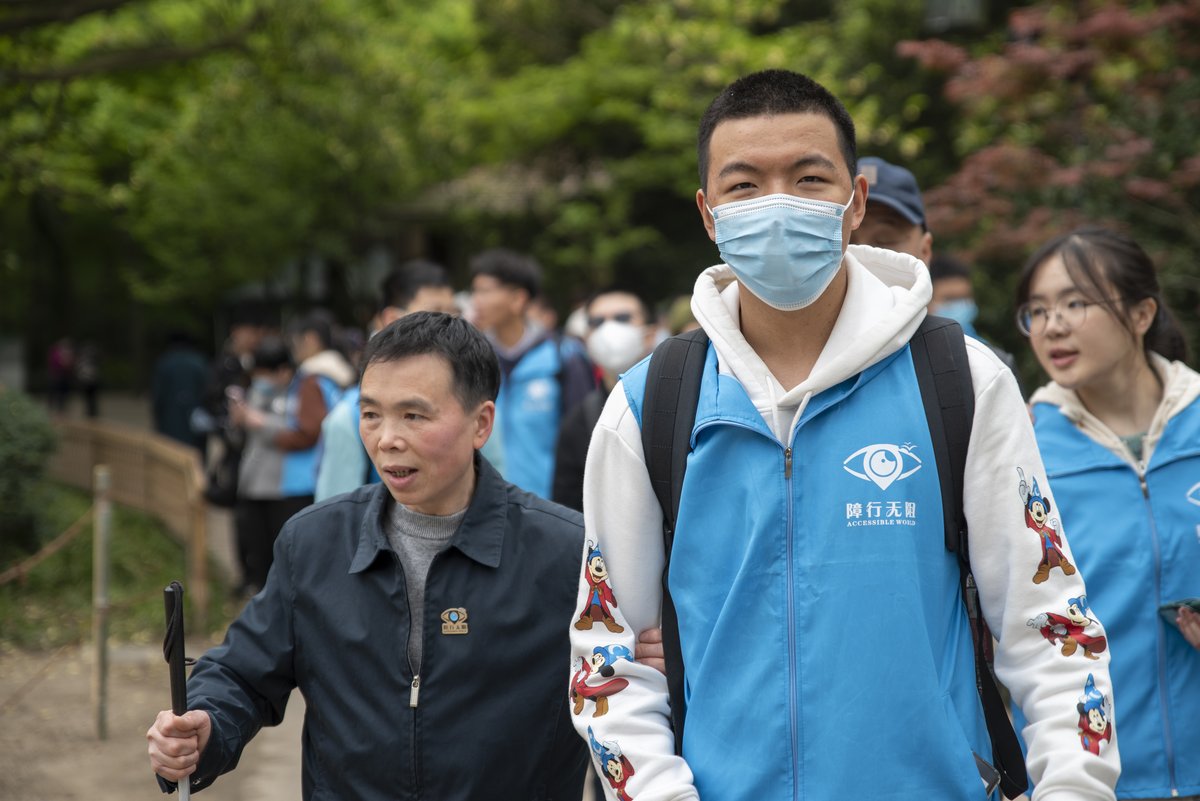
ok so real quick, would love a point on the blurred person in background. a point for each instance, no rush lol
(288, 427)
(60, 371)
(177, 389)
(417, 285)
(87, 374)
(230, 371)
(1119, 429)
(895, 220)
(542, 374)
(620, 334)
(262, 506)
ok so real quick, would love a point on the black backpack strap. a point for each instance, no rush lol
(939, 355)
(668, 414)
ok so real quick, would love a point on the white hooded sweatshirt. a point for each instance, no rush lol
(886, 297)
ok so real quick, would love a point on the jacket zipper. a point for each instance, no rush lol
(793, 702)
(1168, 742)
(414, 688)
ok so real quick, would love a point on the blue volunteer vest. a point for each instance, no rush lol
(827, 653)
(299, 470)
(1138, 549)
(527, 413)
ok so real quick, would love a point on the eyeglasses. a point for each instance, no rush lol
(620, 317)
(1032, 318)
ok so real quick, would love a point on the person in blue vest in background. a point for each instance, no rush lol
(1119, 428)
(417, 285)
(543, 375)
(282, 420)
(826, 649)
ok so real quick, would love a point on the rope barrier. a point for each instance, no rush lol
(21, 569)
(41, 672)
(34, 680)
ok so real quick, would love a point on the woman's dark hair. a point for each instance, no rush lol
(476, 373)
(1098, 258)
(318, 321)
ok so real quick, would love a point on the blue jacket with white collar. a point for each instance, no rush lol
(1135, 529)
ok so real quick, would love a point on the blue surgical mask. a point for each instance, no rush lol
(784, 249)
(962, 311)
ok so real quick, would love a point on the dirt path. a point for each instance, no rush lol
(49, 750)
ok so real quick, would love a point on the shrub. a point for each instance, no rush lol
(27, 440)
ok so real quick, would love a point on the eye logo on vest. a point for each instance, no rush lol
(1193, 495)
(454, 621)
(539, 395)
(882, 465)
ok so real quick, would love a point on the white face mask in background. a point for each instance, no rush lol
(617, 346)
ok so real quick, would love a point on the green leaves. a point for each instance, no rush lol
(1084, 113)
(212, 142)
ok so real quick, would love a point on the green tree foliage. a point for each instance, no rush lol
(607, 138)
(1079, 113)
(26, 443)
(172, 150)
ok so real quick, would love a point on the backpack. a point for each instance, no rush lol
(940, 357)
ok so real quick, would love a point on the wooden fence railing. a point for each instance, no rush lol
(148, 472)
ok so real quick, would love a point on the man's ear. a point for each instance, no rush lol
(485, 419)
(709, 224)
(858, 208)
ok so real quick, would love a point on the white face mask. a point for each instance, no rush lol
(617, 346)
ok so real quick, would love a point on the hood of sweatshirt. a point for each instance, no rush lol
(332, 365)
(886, 297)
(1181, 387)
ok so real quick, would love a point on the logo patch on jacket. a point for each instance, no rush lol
(882, 464)
(454, 621)
(1193, 495)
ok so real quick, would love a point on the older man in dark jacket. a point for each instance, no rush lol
(422, 618)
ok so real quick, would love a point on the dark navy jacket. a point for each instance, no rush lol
(490, 719)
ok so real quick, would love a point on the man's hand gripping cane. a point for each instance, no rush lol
(178, 737)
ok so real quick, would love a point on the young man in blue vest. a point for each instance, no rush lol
(543, 376)
(826, 651)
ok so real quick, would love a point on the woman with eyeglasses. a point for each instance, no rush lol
(1119, 429)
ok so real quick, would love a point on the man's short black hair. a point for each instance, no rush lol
(476, 373)
(943, 266)
(510, 268)
(403, 283)
(647, 310)
(776, 92)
